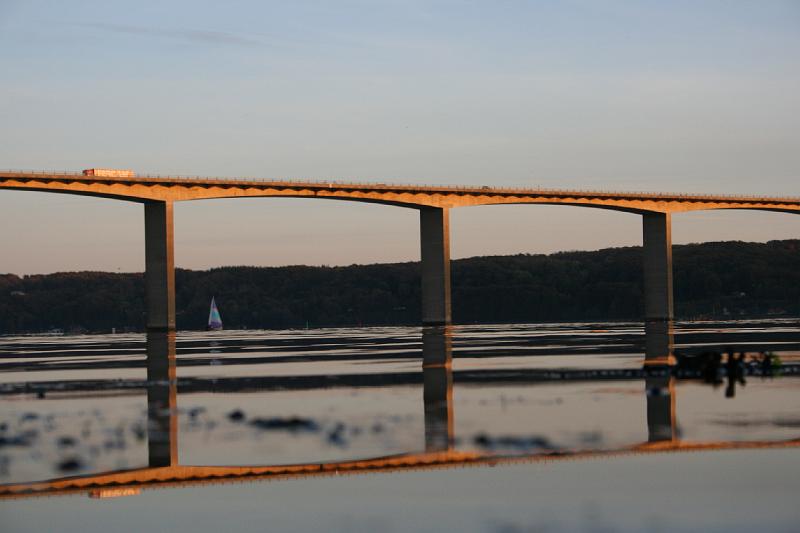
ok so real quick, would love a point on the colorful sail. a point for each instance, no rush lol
(214, 319)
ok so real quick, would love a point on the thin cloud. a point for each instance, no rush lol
(195, 36)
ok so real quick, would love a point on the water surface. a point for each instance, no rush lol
(529, 428)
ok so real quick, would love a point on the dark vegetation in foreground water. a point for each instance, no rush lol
(711, 280)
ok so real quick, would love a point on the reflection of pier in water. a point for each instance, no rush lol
(162, 400)
(164, 469)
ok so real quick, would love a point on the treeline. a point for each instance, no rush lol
(715, 279)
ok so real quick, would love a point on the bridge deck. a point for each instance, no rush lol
(180, 188)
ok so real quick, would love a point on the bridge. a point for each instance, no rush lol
(159, 193)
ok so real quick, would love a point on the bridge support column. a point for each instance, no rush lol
(159, 275)
(658, 315)
(162, 416)
(435, 247)
(437, 346)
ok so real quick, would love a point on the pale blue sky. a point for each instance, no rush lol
(648, 95)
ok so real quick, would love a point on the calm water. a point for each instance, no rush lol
(531, 428)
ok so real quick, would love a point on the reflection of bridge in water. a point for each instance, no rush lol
(165, 470)
(158, 194)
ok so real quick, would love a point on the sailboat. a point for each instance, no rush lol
(214, 319)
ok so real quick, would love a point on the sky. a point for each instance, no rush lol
(680, 96)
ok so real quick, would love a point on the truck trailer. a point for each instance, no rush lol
(109, 173)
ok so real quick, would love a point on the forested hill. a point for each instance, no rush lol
(711, 280)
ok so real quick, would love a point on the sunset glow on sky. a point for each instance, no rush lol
(679, 96)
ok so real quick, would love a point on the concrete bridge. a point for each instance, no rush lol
(159, 193)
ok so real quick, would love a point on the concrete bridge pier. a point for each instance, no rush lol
(434, 223)
(658, 317)
(658, 344)
(437, 346)
(162, 403)
(159, 275)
